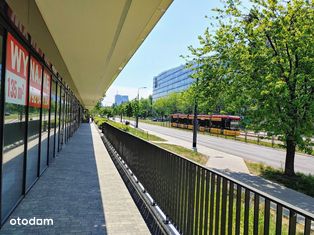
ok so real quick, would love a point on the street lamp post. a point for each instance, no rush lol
(195, 122)
(138, 104)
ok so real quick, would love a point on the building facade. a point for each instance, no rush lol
(119, 99)
(38, 112)
(173, 80)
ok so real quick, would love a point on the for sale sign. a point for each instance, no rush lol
(17, 60)
(46, 90)
(35, 80)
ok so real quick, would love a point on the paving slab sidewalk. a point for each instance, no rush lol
(82, 192)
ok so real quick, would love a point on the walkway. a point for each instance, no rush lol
(82, 192)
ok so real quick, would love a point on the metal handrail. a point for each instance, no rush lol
(197, 176)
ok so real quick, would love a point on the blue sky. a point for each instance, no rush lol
(177, 29)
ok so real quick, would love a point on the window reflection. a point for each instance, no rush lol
(52, 121)
(62, 117)
(14, 124)
(44, 121)
(35, 87)
(58, 124)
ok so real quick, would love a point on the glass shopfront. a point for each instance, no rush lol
(58, 115)
(45, 120)
(52, 124)
(33, 130)
(14, 126)
(33, 112)
(62, 117)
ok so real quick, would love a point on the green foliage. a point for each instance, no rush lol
(185, 152)
(99, 120)
(134, 131)
(120, 126)
(106, 112)
(145, 107)
(97, 109)
(260, 63)
(130, 108)
(175, 103)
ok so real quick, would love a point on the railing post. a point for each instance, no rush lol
(246, 212)
(256, 214)
(266, 216)
(292, 222)
(278, 219)
(230, 212)
(212, 198)
(238, 210)
(223, 207)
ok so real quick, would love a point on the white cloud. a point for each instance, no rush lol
(130, 91)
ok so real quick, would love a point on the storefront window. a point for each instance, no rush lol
(44, 120)
(58, 119)
(52, 120)
(65, 118)
(38, 117)
(61, 118)
(15, 85)
(35, 80)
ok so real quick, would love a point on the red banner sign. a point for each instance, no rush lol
(35, 80)
(46, 90)
(17, 60)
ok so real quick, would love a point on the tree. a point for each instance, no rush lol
(119, 110)
(107, 111)
(97, 108)
(145, 107)
(260, 63)
(167, 105)
(185, 102)
(129, 108)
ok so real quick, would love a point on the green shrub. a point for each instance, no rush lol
(99, 120)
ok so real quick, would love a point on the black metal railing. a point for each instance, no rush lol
(202, 201)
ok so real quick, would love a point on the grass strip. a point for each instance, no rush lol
(137, 132)
(185, 152)
(301, 182)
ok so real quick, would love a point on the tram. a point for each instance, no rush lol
(216, 124)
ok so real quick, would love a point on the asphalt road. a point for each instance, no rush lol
(256, 153)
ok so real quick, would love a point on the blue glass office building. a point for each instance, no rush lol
(119, 99)
(173, 80)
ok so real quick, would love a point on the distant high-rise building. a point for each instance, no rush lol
(173, 80)
(119, 99)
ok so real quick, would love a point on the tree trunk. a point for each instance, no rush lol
(290, 155)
